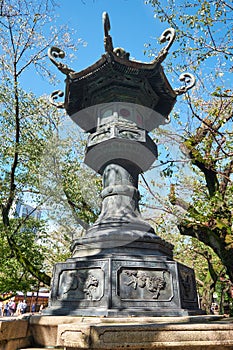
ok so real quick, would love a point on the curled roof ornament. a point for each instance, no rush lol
(189, 81)
(55, 52)
(54, 96)
(169, 36)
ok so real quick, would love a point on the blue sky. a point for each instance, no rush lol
(132, 25)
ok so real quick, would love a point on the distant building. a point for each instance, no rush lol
(24, 210)
(21, 210)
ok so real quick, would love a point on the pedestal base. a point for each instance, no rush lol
(121, 284)
(121, 241)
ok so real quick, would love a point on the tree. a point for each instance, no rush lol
(27, 124)
(14, 275)
(22, 143)
(189, 251)
(204, 33)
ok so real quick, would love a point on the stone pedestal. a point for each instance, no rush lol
(124, 284)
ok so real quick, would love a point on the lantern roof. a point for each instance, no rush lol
(116, 78)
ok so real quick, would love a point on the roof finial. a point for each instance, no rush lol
(107, 38)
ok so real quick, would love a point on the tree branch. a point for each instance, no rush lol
(227, 172)
(77, 218)
(207, 169)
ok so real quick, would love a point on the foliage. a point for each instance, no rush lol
(22, 145)
(27, 237)
(27, 127)
(200, 174)
(203, 31)
(57, 247)
(72, 189)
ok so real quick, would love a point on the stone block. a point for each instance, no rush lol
(13, 328)
(146, 336)
(14, 333)
(44, 328)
